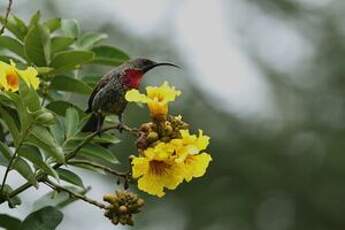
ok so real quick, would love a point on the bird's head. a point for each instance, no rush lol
(134, 70)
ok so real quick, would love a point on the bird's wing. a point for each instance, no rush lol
(100, 84)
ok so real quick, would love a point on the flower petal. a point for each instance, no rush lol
(140, 166)
(151, 185)
(30, 77)
(196, 165)
(135, 96)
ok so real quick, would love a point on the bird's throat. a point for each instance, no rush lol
(132, 78)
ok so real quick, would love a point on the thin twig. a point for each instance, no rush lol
(10, 163)
(72, 154)
(95, 165)
(8, 10)
(8, 169)
(59, 188)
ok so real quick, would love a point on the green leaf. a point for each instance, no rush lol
(7, 59)
(69, 60)
(70, 177)
(24, 169)
(60, 107)
(92, 80)
(10, 123)
(70, 27)
(13, 201)
(5, 154)
(58, 131)
(58, 200)
(30, 97)
(9, 222)
(89, 40)
(42, 139)
(61, 43)
(24, 116)
(12, 44)
(16, 26)
(71, 122)
(33, 155)
(53, 24)
(98, 152)
(108, 55)
(20, 165)
(47, 218)
(37, 45)
(69, 84)
(35, 19)
(103, 139)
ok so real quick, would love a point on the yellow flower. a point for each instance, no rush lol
(187, 149)
(189, 144)
(167, 164)
(157, 98)
(157, 170)
(10, 77)
(196, 165)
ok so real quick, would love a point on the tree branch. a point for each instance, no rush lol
(95, 165)
(60, 188)
(72, 154)
(8, 10)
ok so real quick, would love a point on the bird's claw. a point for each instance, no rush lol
(121, 127)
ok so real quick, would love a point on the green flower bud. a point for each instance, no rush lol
(45, 118)
(152, 137)
(168, 130)
(109, 197)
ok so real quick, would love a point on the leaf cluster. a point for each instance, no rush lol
(38, 129)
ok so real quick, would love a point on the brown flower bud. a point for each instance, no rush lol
(123, 205)
(140, 202)
(123, 209)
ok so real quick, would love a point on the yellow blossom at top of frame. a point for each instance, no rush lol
(157, 98)
(10, 77)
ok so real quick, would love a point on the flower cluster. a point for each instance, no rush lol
(122, 205)
(168, 153)
(10, 77)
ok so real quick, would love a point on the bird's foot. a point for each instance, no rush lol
(121, 127)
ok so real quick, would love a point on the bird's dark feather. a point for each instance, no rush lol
(100, 84)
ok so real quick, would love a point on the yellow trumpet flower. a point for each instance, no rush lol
(157, 98)
(10, 77)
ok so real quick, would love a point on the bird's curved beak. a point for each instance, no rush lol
(148, 68)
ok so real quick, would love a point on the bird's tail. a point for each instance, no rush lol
(94, 123)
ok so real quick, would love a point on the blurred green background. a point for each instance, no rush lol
(265, 79)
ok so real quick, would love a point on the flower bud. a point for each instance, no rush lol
(43, 117)
(140, 202)
(152, 137)
(123, 209)
(109, 197)
(168, 130)
(130, 221)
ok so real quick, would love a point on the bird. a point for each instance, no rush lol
(108, 96)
